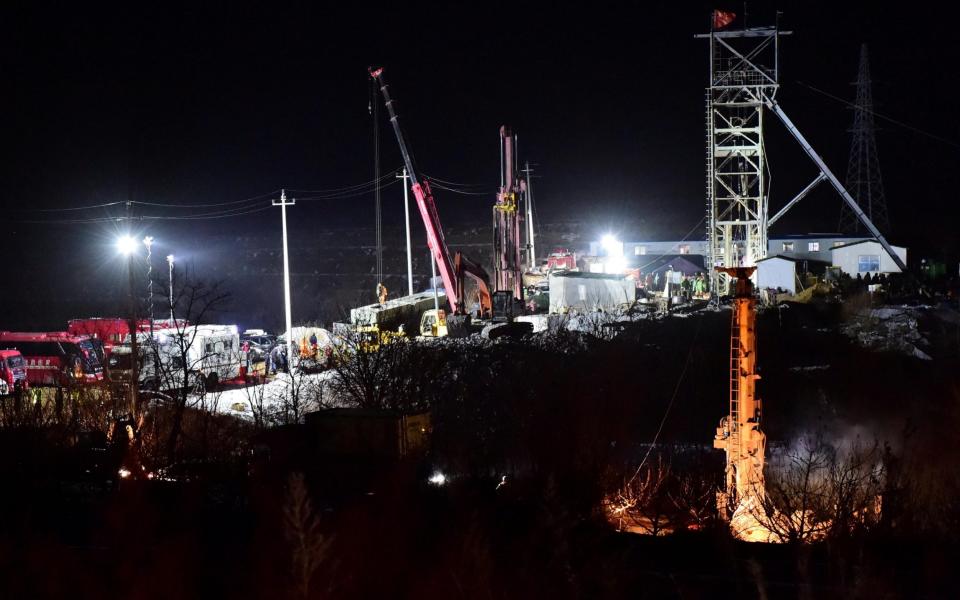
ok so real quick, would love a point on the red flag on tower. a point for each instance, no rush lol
(722, 18)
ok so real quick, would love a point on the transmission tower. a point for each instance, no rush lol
(743, 76)
(863, 171)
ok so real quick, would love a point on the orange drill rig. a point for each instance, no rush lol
(740, 434)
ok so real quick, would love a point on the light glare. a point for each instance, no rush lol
(126, 245)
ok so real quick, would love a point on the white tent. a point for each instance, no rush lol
(587, 292)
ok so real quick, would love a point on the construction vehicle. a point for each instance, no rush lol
(370, 338)
(452, 272)
(433, 323)
(57, 357)
(507, 228)
(13, 372)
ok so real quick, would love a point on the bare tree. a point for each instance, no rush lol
(693, 494)
(257, 402)
(302, 394)
(309, 546)
(179, 364)
(367, 372)
(818, 490)
(637, 505)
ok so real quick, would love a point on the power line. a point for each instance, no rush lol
(683, 239)
(216, 215)
(348, 188)
(75, 208)
(349, 191)
(462, 192)
(348, 195)
(261, 196)
(454, 183)
(881, 116)
(673, 397)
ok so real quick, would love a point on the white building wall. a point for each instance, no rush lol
(848, 258)
(777, 273)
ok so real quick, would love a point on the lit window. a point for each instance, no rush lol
(720, 250)
(788, 246)
(813, 246)
(867, 263)
(639, 250)
(685, 249)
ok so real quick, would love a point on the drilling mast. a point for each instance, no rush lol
(507, 268)
(740, 434)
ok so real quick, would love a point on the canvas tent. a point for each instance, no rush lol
(589, 292)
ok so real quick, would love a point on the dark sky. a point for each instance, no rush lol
(193, 103)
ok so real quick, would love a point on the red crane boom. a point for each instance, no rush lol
(425, 203)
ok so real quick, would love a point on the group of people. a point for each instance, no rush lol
(675, 282)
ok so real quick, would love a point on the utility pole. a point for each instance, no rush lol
(433, 282)
(531, 245)
(170, 262)
(134, 345)
(148, 242)
(406, 216)
(283, 204)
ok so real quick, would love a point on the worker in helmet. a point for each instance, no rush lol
(382, 293)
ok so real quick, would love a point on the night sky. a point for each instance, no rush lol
(189, 104)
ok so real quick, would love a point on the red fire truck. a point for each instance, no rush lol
(112, 331)
(55, 358)
(562, 259)
(13, 371)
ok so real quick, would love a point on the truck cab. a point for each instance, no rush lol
(433, 323)
(13, 371)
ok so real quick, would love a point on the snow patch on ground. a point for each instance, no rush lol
(275, 396)
(888, 328)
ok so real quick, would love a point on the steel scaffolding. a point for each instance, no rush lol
(743, 74)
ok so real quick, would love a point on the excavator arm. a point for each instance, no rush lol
(464, 266)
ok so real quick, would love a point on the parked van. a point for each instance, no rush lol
(212, 355)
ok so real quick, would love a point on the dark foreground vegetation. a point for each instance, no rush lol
(536, 438)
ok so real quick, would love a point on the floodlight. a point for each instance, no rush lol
(126, 245)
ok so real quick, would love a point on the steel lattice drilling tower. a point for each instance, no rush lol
(863, 171)
(743, 74)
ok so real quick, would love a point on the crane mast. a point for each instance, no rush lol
(425, 203)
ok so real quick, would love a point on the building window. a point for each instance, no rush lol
(640, 250)
(720, 250)
(837, 244)
(685, 249)
(788, 246)
(813, 246)
(868, 263)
